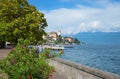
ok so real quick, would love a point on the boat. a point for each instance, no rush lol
(68, 46)
(53, 47)
(40, 48)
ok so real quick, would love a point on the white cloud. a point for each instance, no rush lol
(84, 19)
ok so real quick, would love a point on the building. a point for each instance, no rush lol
(69, 39)
(53, 35)
(59, 32)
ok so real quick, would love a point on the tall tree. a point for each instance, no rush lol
(19, 19)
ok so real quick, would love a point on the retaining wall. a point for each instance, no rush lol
(71, 70)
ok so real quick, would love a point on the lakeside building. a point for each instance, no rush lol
(69, 39)
(53, 35)
(56, 38)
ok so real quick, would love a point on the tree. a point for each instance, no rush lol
(18, 19)
(59, 39)
(76, 41)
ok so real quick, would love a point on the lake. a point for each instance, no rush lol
(101, 56)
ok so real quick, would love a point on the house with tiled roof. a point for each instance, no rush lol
(69, 39)
(53, 35)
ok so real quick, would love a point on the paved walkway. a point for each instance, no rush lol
(56, 75)
(3, 53)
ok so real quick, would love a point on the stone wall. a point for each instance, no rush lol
(71, 70)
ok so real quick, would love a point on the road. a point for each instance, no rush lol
(3, 53)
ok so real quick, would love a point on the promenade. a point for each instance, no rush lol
(3, 53)
(69, 70)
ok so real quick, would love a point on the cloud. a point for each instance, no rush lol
(85, 19)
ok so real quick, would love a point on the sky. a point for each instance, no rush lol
(74, 16)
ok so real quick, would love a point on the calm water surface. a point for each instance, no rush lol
(104, 57)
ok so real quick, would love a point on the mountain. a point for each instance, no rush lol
(98, 37)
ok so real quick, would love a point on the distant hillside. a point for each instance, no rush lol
(98, 37)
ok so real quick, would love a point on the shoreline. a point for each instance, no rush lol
(65, 69)
(72, 70)
(102, 57)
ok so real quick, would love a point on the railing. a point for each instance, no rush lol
(71, 70)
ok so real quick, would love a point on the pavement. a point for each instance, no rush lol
(4, 53)
(56, 75)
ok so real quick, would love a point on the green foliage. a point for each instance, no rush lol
(22, 63)
(59, 40)
(18, 20)
(48, 54)
(76, 41)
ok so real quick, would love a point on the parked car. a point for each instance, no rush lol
(9, 45)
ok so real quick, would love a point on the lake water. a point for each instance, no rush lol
(101, 56)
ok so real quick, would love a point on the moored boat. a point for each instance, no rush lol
(68, 45)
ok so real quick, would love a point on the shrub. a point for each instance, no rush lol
(22, 63)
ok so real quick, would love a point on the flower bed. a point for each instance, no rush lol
(22, 63)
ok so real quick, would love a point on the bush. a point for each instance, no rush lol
(22, 63)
